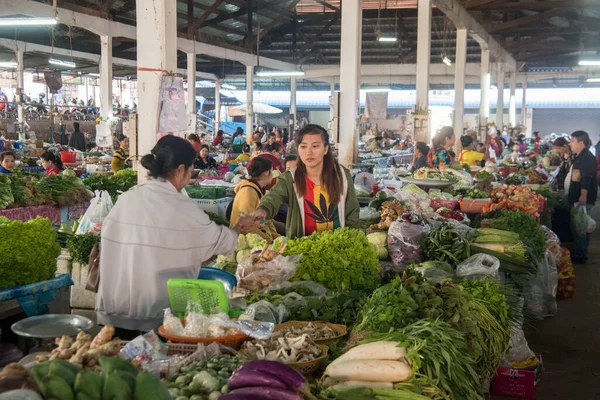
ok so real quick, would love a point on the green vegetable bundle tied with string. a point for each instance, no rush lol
(446, 244)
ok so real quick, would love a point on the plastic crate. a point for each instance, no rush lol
(206, 192)
(236, 148)
(210, 294)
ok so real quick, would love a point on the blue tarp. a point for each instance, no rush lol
(34, 298)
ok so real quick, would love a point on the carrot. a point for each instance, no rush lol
(369, 371)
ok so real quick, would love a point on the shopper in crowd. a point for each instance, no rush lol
(285, 136)
(562, 148)
(77, 138)
(522, 143)
(218, 140)
(440, 156)
(319, 192)
(239, 137)
(273, 152)
(468, 155)
(495, 142)
(51, 163)
(204, 161)
(152, 234)
(291, 162)
(120, 158)
(536, 142)
(7, 162)
(420, 156)
(257, 149)
(480, 147)
(195, 142)
(248, 194)
(271, 139)
(581, 186)
(244, 157)
(203, 138)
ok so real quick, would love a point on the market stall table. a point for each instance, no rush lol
(35, 298)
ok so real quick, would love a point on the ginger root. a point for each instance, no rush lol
(103, 337)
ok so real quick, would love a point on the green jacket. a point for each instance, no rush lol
(284, 193)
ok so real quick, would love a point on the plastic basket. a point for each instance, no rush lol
(219, 177)
(232, 167)
(439, 203)
(236, 148)
(206, 192)
(234, 341)
(472, 207)
(68, 156)
(210, 294)
(339, 329)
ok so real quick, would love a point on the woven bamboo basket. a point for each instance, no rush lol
(234, 341)
(340, 330)
(306, 368)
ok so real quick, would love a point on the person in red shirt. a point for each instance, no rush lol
(51, 163)
(195, 141)
(273, 153)
(218, 140)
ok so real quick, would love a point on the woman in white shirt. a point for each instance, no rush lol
(154, 233)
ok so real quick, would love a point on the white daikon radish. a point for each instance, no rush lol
(356, 384)
(384, 350)
(369, 371)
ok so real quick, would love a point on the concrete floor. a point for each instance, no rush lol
(570, 341)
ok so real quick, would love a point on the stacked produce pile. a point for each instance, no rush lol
(511, 197)
(566, 275)
(116, 184)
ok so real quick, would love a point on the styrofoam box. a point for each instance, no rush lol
(218, 206)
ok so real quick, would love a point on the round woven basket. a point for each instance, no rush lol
(233, 341)
(306, 368)
(340, 330)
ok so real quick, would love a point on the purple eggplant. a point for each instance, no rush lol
(292, 378)
(267, 393)
(239, 396)
(251, 377)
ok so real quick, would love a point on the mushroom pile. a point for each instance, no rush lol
(284, 349)
(311, 330)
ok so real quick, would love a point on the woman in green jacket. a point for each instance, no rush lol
(319, 192)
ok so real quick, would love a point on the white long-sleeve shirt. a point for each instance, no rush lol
(152, 234)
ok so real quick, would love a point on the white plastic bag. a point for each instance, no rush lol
(591, 226)
(262, 276)
(100, 206)
(479, 266)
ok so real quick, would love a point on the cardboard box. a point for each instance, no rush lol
(218, 206)
(517, 383)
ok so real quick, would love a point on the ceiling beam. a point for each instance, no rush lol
(540, 5)
(476, 3)
(515, 23)
(327, 5)
(191, 28)
(310, 44)
(462, 19)
(243, 11)
(265, 31)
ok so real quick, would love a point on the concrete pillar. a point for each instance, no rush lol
(484, 100)
(423, 60)
(524, 103)
(106, 88)
(217, 119)
(332, 93)
(500, 102)
(459, 82)
(249, 102)
(191, 82)
(156, 32)
(512, 107)
(349, 106)
(293, 104)
(87, 88)
(20, 85)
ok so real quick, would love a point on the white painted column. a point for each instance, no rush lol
(349, 105)
(156, 32)
(524, 103)
(249, 102)
(20, 83)
(106, 88)
(512, 107)
(331, 94)
(293, 83)
(484, 100)
(500, 102)
(217, 118)
(191, 83)
(423, 61)
(459, 82)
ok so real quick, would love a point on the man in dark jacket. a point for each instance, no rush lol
(77, 138)
(581, 186)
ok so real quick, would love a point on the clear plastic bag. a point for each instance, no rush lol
(579, 221)
(261, 276)
(172, 324)
(479, 266)
(146, 347)
(264, 311)
(552, 242)
(434, 274)
(99, 208)
(519, 348)
(403, 242)
(316, 288)
(591, 226)
(540, 290)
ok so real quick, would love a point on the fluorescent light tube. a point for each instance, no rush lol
(27, 21)
(8, 64)
(593, 80)
(376, 90)
(446, 61)
(586, 63)
(387, 39)
(280, 73)
(62, 63)
(94, 75)
(228, 86)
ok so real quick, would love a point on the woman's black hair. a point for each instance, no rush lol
(53, 158)
(204, 146)
(245, 148)
(440, 138)
(560, 142)
(258, 166)
(466, 141)
(422, 147)
(291, 157)
(582, 136)
(193, 137)
(167, 155)
(5, 154)
(121, 137)
(274, 147)
(220, 132)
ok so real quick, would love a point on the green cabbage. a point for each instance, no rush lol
(242, 243)
(223, 262)
(379, 240)
(255, 241)
(278, 242)
(242, 255)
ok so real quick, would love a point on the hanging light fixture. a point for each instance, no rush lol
(446, 60)
(8, 64)
(380, 36)
(27, 21)
(62, 63)
(280, 73)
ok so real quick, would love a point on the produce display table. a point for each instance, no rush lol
(32, 170)
(35, 298)
(56, 215)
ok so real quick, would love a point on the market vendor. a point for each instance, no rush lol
(7, 162)
(152, 234)
(561, 147)
(244, 157)
(218, 140)
(273, 152)
(248, 194)
(319, 192)
(440, 155)
(420, 156)
(51, 163)
(581, 187)
(194, 141)
(120, 158)
(204, 161)
(468, 155)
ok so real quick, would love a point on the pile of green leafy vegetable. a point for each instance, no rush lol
(338, 308)
(80, 246)
(119, 183)
(217, 219)
(6, 195)
(64, 190)
(495, 298)
(446, 244)
(439, 353)
(29, 250)
(342, 259)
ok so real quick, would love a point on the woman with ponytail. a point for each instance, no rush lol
(440, 156)
(155, 232)
(319, 192)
